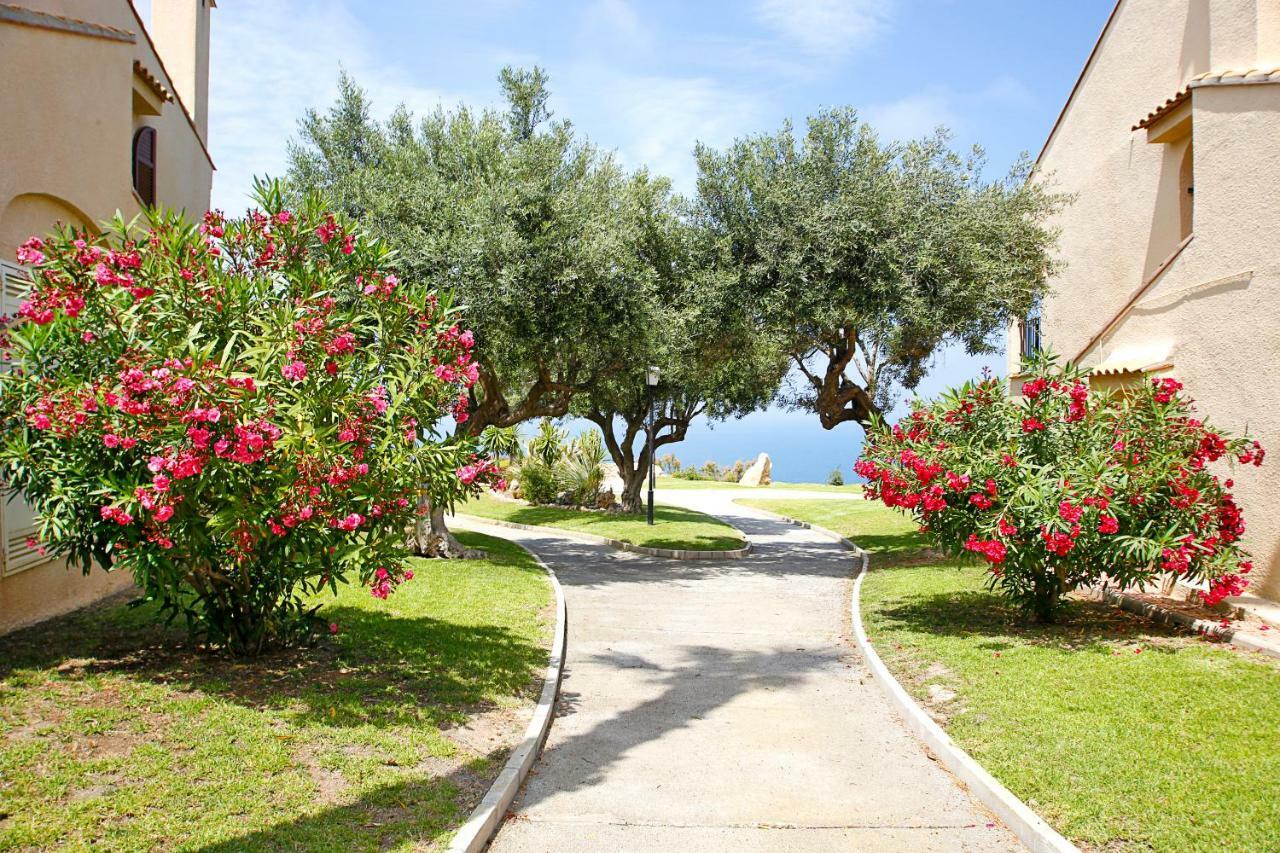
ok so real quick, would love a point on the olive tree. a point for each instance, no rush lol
(514, 215)
(711, 363)
(861, 257)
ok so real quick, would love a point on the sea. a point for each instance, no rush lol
(800, 450)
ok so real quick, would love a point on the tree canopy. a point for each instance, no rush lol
(860, 258)
(711, 364)
(525, 224)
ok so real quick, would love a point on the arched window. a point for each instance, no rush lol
(144, 165)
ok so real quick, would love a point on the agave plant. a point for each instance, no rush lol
(580, 473)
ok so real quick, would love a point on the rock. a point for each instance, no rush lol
(606, 499)
(938, 693)
(760, 472)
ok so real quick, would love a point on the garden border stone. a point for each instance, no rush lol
(668, 553)
(486, 818)
(1031, 829)
(1164, 615)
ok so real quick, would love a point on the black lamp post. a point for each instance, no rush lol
(651, 381)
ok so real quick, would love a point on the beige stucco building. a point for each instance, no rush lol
(98, 115)
(1170, 143)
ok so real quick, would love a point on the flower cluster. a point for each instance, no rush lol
(233, 412)
(1066, 486)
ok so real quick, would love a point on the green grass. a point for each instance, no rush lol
(1174, 747)
(116, 733)
(866, 523)
(673, 527)
(678, 483)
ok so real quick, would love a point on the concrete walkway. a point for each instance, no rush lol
(719, 706)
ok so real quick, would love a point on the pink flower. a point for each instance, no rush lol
(164, 513)
(1166, 389)
(294, 371)
(333, 627)
(1032, 425)
(110, 440)
(351, 522)
(1069, 513)
(29, 252)
(1108, 524)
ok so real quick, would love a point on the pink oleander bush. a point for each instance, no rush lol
(240, 412)
(1068, 485)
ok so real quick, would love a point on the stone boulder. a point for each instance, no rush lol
(760, 472)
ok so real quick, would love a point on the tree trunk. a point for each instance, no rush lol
(431, 534)
(1045, 605)
(632, 487)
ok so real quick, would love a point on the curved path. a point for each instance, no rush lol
(719, 706)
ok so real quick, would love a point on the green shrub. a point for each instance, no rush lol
(1065, 485)
(538, 482)
(835, 478)
(233, 412)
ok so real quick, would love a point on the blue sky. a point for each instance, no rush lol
(648, 79)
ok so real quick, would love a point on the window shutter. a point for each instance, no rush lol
(17, 521)
(144, 165)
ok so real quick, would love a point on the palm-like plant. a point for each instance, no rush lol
(581, 471)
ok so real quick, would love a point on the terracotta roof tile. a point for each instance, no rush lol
(152, 80)
(1229, 77)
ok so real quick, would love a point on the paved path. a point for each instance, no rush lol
(719, 706)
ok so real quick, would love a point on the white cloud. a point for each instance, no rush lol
(655, 120)
(827, 29)
(913, 116)
(270, 62)
(615, 17)
(921, 113)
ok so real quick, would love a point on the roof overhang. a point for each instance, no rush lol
(1170, 122)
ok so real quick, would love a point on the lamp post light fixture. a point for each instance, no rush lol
(651, 377)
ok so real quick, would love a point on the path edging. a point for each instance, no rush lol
(667, 553)
(1029, 827)
(1156, 613)
(486, 818)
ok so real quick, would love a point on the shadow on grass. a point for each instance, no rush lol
(1082, 625)
(381, 669)
(414, 811)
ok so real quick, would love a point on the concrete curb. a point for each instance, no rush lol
(478, 831)
(1165, 616)
(1030, 828)
(668, 553)
(807, 526)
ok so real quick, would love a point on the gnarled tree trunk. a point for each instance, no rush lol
(632, 488)
(431, 534)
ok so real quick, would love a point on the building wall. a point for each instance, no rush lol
(69, 107)
(1213, 312)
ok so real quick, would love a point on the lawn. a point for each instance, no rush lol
(679, 483)
(868, 524)
(116, 733)
(673, 527)
(1121, 733)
